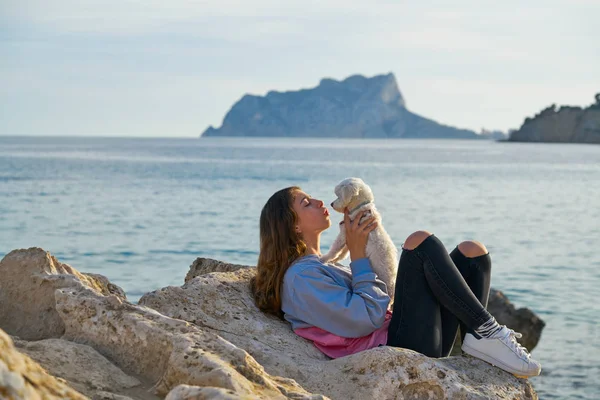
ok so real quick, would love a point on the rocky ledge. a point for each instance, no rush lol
(76, 336)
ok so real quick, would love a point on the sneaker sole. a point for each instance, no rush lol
(496, 363)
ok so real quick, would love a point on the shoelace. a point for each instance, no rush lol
(510, 337)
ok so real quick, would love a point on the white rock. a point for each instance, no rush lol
(221, 302)
(82, 367)
(186, 392)
(21, 378)
(205, 357)
(165, 350)
(27, 284)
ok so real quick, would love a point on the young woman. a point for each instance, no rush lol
(345, 310)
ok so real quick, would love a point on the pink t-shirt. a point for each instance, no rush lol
(336, 346)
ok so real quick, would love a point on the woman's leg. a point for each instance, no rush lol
(428, 277)
(475, 265)
(427, 273)
(416, 320)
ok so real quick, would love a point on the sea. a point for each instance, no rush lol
(141, 210)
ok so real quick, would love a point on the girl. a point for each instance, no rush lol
(345, 310)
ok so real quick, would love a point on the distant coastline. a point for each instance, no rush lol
(566, 124)
(357, 107)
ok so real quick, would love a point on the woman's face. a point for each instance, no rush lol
(313, 216)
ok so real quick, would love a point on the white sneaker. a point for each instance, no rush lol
(503, 351)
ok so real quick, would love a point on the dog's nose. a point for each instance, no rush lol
(332, 203)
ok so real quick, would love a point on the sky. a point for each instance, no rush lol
(159, 68)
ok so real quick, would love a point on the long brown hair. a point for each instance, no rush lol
(280, 246)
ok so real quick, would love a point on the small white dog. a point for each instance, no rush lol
(354, 194)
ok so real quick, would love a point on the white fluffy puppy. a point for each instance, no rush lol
(354, 194)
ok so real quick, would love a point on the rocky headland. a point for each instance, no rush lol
(71, 335)
(566, 124)
(356, 107)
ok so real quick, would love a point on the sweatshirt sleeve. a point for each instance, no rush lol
(320, 300)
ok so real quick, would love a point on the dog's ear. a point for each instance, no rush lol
(349, 191)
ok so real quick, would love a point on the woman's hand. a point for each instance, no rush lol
(357, 235)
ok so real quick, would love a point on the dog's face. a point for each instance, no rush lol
(351, 192)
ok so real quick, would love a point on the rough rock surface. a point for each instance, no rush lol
(28, 281)
(140, 341)
(565, 125)
(165, 350)
(221, 302)
(21, 378)
(356, 107)
(202, 266)
(108, 341)
(83, 368)
(186, 392)
(102, 395)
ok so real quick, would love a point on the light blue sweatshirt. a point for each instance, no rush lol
(348, 302)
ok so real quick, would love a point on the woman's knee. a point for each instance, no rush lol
(415, 239)
(472, 248)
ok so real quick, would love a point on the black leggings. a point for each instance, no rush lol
(435, 293)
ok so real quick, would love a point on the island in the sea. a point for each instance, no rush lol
(566, 124)
(357, 107)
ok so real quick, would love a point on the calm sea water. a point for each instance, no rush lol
(141, 210)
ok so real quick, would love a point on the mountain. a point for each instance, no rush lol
(566, 125)
(357, 107)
